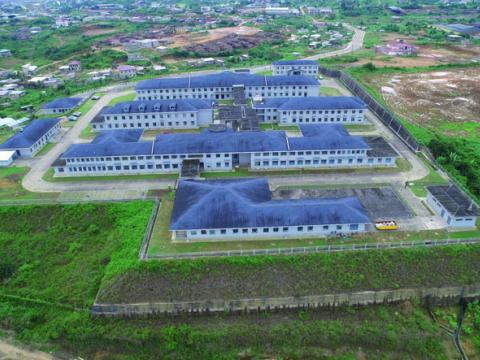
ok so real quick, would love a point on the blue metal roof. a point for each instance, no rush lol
(150, 106)
(326, 137)
(112, 143)
(62, 103)
(462, 28)
(225, 79)
(248, 203)
(295, 62)
(214, 142)
(127, 142)
(122, 136)
(30, 134)
(313, 103)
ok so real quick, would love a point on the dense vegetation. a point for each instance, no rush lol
(56, 256)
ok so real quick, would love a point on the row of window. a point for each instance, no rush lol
(185, 90)
(314, 120)
(314, 112)
(266, 230)
(316, 152)
(264, 163)
(152, 116)
(147, 125)
(147, 157)
(220, 96)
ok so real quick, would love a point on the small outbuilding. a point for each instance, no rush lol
(6, 157)
(60, 106)
(453, 205)
(32, 138)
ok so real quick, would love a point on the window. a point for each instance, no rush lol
(310, 228)
(244, 231)
(353, 226)
(204, 232)
(223, 231)
(235, 231)
(339, 227)
(266, 230)
(299, 228)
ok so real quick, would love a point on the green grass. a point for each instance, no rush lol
(402, 165)
(5, 133)
(45, 149)
(329, 91)
(123, 98)
(11, 186)
(418, 187)
(58, 256)
(360, 127)
(274, 126)
(49, 176)
(265, 73)
(88, 133)
(86, 106)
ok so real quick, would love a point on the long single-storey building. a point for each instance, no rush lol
(60, 106)
(155, 114)
(32, 138)
(238, 209)
(295, 67)
(321, 146)
(453, 205)
(223, 85)
(311, 110)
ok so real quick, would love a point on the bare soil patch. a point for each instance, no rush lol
(181, 40)
(94, 31)
(431, 98)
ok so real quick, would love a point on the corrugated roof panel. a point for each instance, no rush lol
(247, 203)
(30, 134)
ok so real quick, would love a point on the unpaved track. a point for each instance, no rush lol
(14, 352)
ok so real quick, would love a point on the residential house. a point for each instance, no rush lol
(5, 53)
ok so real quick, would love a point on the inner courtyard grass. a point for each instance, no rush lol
(122, 98)
(50, 177)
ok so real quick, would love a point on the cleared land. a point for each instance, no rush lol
(432, 98)
(181, 40)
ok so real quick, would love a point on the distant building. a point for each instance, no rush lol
(33, 138)
(155, 114)
(29, 69)
(314, 109)
(47, 81)
(60, 106)
(324, 11)
(126, 71)
(161, 49)
(281, 11)
(74, 66)
(397, 48)
(5, 53)
(295, 67)
(236, 209)
(453, 205)
(220, 86)
(461, 29)
(115, 152)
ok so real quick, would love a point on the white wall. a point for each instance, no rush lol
(452, 221)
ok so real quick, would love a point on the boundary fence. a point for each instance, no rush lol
(313, 249)
(438, 295)
(385, 116)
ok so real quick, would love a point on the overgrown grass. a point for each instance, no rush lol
(56, 257)
(11, 186)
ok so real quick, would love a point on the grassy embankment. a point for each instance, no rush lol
(58, 257)
(11, 186)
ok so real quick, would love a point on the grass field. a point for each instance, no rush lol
(87, 133)
(119, 99)
(45, 149)
(58, 256)
(272, 126)
(11, 186)
(329, 91)
(433, 178)
(49, 176)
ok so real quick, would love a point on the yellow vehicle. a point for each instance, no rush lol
(386, 225)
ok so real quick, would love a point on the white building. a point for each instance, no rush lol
(29, 69)
(155, 114)
(454, 206)
(33, 138)
(312, 110)
(126, 71)
(6, 157)
(220, 86)
(5, 53)
(61, 106)
(295, 67)
(281, 11)
(321, 146)
(245, 209)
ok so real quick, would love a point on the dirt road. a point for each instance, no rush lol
(8, 351)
